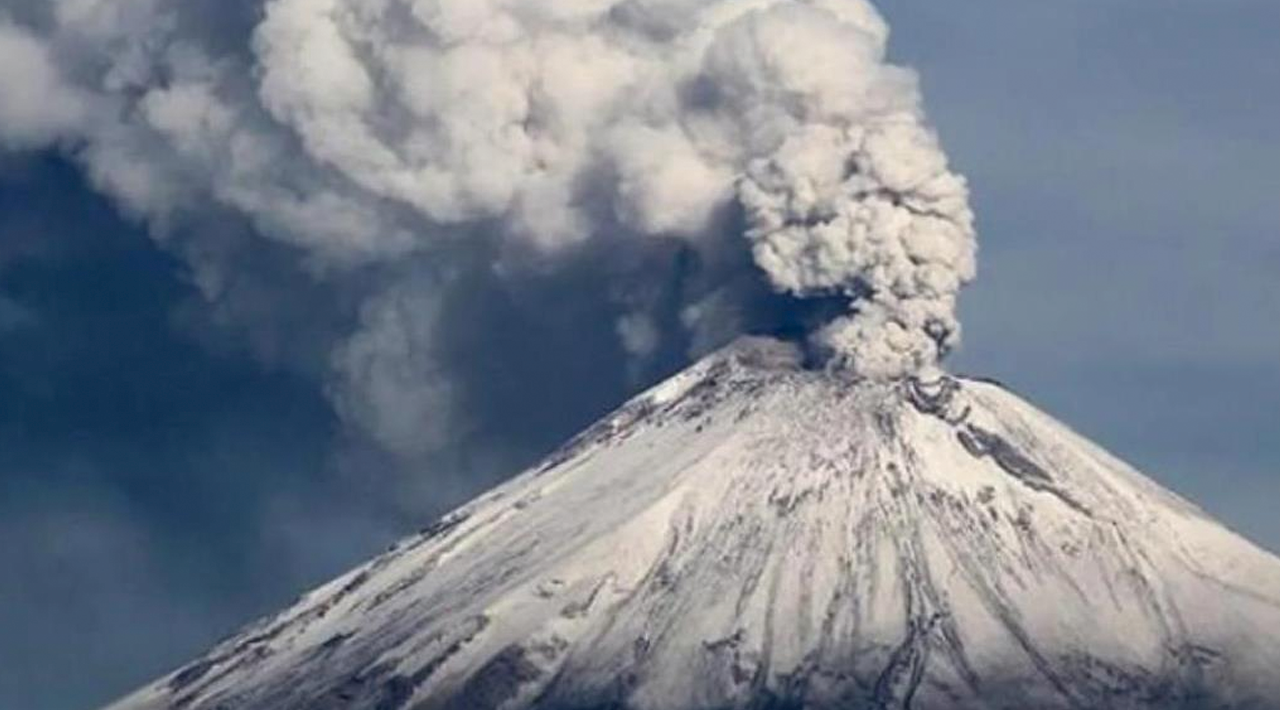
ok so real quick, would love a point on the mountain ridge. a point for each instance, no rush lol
(755, 534)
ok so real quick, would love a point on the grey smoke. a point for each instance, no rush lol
(432, 171)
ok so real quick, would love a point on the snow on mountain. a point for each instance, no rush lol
(753, 534)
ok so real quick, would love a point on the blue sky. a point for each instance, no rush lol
(158, 488)
(1123, 160)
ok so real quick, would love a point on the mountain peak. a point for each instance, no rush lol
(755, 534)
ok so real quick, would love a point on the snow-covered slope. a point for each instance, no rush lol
(751, 534)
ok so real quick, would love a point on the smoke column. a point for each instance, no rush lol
(385, 156)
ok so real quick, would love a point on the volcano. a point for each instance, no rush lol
(756, 534)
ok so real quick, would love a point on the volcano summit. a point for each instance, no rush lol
(754, 534)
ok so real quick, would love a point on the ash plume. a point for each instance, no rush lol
(437, 170)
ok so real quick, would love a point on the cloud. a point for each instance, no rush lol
(39, 105)
(395, 158)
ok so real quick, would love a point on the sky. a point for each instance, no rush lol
(162, 481)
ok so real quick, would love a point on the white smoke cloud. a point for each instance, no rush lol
(513, 137)
(38, 106)
(389, 374)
